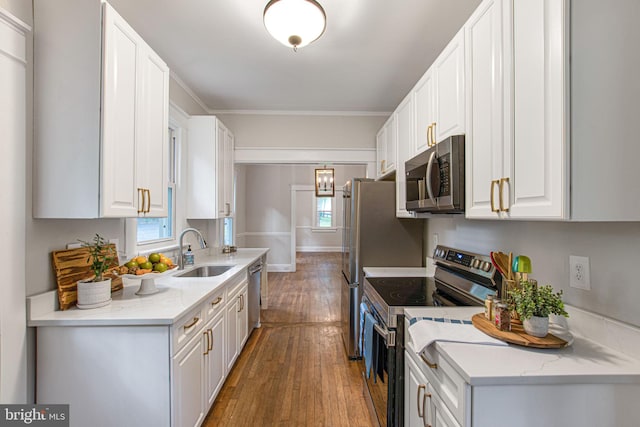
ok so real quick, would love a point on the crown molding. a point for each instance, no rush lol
(190, 92)
(303, 113)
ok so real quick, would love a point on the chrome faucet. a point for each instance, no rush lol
(201, 241)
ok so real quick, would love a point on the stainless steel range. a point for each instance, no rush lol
(461, 279)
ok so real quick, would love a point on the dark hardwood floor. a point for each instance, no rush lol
(293, 370)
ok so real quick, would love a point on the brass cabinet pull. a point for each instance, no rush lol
(208, 342)
(433, 135)
(500, 189)
(423, 388)
(429, 364)
(148, 200)
(493, 183)
(429, 136)
(239, 303)
(140, 205)
(193, 322)
(424, 409)
(227, 209)
(217, 301)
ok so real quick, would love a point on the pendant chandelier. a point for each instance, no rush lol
(294, 23)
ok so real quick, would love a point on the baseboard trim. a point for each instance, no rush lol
(318, 248)
(281, 268)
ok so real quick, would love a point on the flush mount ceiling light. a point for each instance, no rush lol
(294, 23)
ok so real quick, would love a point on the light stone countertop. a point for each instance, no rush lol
(175, 298)
(584, 362)
(401, 271)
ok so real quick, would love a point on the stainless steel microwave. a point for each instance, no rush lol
(435, 178)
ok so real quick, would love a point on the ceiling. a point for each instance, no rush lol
(370, 56)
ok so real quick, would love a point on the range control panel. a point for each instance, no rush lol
(467, 261)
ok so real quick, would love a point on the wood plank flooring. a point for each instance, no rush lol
(294, 370)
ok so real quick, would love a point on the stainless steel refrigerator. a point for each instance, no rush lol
(372, 237)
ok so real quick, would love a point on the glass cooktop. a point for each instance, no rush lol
(404, 291)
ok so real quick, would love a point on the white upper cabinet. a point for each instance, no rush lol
(423, 98)
(210, 169)
(449, 94)
(485, 139)
(101, 102)
(386, 142)
(404, 115)
(516, 126)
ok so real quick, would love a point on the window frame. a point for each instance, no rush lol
(132, 246)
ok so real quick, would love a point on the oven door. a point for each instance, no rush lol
(380, 386)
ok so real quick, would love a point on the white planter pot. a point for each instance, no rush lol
(536, 326)
(94, 294)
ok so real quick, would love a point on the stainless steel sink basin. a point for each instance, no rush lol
(206, 271)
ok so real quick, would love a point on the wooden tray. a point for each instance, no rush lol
(517, 335)
(71, 265)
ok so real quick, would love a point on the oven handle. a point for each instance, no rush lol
(388, 336)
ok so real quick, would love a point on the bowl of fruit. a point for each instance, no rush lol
(147, 269)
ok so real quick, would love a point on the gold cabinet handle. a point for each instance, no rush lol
(193, 322)
(429, 364)
(208, 342)
(493, 184)
(239, 303)
(421, 387)
(242, 302)
(429, 136)
(433, 134)
(217, 301)
(227, 207)
(424, 409)
(500, 189)
(148, 200)
(140, 203)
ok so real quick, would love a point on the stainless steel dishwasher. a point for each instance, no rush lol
(255, 276)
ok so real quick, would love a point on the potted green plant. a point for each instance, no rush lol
(96, 291)
(534, 304)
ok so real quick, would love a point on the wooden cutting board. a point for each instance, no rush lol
(517, 335)
(71, 265)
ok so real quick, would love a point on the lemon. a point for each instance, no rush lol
(140, 260)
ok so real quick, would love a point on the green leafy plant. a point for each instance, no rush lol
(101, 254)
(532, 300)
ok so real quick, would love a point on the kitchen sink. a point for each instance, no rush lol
(206, 271)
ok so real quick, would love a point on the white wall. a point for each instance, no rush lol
(264, 209)
(613, 249)
(304, 131)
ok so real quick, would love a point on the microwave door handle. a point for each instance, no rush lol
(428, 177)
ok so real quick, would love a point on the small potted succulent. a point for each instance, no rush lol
(534, 304)
(96, 291)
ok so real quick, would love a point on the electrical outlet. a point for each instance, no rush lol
(579, 275)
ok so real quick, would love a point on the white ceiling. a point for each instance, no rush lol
(371, 54)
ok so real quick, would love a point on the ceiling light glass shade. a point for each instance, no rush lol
(294, 23)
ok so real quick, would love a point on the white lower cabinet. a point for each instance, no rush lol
(237, 322)
(214, 360)
(188, 384)
(423, 405)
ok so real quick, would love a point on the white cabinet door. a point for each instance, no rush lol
(233, 308)
(390, 146)
(189, 384)
(485, 109)
(229, 175)
(152, 148)
(439, 414)
(209, 169)
(243, 320)
(404, 148)
(215, 360)
(120, 195)
(538, 170)
(415, 394)
(449, 94)
(423, 94)
(381, 151)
